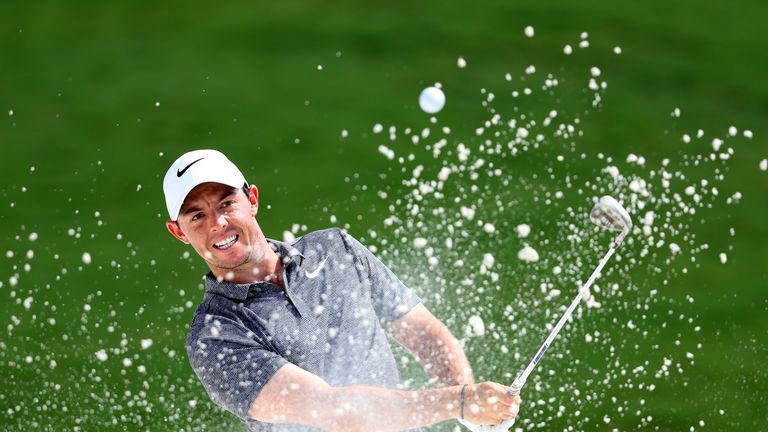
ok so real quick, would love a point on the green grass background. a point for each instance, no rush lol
(82, 80)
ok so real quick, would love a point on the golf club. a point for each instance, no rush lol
(607, 213)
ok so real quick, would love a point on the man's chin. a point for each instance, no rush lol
(230, 264)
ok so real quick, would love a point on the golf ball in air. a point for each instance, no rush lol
(432, 100)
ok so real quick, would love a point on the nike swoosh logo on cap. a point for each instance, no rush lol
(313, 274)
(180, 173)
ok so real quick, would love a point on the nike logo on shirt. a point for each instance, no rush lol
(313, 274)
(180, 173)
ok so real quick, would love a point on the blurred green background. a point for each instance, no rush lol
(98, 98)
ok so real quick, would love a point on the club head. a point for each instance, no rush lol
(608, 213)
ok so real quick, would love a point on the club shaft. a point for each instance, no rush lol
(520, 380)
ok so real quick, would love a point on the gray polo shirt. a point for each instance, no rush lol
(328, 320)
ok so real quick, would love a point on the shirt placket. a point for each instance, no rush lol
(295, 300)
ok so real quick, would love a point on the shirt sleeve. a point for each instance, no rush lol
(232, 366)
(391, 298)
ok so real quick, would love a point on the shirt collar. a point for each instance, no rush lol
(240, 291)
(285, 251)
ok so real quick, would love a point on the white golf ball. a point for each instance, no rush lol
(432, 100)
(529, 31)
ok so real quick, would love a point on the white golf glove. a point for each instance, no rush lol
(506, 424)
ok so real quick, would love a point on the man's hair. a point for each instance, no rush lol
(245, 188)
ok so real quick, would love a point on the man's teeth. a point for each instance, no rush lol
(227, 242)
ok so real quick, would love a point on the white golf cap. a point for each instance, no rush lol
(194, 168)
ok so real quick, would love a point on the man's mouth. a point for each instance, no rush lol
(226, 243)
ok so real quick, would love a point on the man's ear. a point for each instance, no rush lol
(253, 197)
(176, 231)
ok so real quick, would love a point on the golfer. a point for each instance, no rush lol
(294, 336)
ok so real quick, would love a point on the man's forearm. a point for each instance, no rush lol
(443, 357)
(447, 362)
(296, 396)
(437, 349)
(373, 409)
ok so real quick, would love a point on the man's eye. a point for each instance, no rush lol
(227, 203)
(197, 216)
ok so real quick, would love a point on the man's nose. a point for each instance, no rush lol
(221, 220)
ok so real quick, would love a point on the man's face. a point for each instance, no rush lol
(218, 221)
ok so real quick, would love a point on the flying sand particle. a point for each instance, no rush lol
(101, 355)
(476, 326)
(716, 144)
(523, 230)
(528, 254)
(389, 154)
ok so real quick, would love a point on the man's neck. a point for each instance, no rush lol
(269, 269)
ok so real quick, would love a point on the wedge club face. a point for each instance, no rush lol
(608, 213)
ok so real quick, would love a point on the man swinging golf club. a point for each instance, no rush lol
(294, 336)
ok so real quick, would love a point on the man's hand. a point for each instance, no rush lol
(490, 403)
